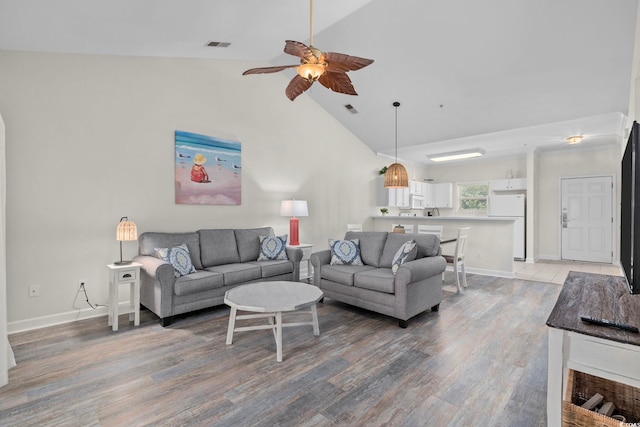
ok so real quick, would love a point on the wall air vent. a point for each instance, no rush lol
(351, 109)
(218, 44)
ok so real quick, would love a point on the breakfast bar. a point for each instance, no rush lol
(489, 247)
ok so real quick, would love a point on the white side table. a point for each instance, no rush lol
(122, 275)
(306, 270)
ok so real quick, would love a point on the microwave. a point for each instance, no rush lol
(417, 202)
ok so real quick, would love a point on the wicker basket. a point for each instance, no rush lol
(581, 387)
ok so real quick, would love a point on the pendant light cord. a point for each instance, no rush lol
(396, 104)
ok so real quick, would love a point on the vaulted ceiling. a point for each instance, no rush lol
(502, 75)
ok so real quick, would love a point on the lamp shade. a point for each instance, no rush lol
(294, 208)
(126, 230)
(396, 176)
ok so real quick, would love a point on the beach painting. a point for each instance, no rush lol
(208, 170)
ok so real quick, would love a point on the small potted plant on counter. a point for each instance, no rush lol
(384, 211)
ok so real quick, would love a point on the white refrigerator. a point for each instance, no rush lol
(511, 205)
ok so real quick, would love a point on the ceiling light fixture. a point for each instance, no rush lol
(573, 140)
(329, 68)
(396, 175)
(456, 155)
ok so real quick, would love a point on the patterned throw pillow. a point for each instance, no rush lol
(273, 248)
(345, 252)
(402, 255)
(179, 257)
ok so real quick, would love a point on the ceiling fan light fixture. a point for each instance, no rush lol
(575, 139)
(456, 155)
(311, 72)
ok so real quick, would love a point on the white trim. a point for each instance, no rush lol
(62, 318)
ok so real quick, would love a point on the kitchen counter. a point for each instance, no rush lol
(489, 246)
(446, 218)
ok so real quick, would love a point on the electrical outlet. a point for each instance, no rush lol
(34, 291)
(480, 254)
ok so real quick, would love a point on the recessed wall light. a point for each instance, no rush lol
(576, 139)
(456, 155)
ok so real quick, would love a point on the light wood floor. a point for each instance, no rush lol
(480, 361)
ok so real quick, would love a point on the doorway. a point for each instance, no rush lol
(587, 219)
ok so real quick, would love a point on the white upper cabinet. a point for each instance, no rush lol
(392, 197)
(438, 195)
(416, 188)
(513, 184)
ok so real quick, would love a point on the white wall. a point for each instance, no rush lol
(567, 163)
(4, 343)
(91, 138)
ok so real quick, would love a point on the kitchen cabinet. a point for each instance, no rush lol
(416, 188)
(392, 197)
(438, 195)
(513, 184)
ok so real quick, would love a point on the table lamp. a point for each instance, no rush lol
(125, 232)
(294, 209)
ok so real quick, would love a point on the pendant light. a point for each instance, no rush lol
(396, 175)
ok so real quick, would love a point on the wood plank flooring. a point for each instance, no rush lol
(480, 361)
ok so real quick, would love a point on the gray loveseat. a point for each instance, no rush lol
(223, 259)
(416, 287)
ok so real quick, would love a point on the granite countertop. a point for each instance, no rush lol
(599, 296)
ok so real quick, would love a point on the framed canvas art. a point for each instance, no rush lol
(208, 170)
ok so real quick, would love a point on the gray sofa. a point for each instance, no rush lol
(416, 287)
(223, 259)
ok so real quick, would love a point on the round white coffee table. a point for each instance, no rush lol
(271, 299)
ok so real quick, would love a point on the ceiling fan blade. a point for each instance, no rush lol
(342, 62)
(337, 82)
(297, 86)
(298, 49)
(266, 70)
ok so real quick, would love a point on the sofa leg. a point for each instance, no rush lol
(166, 321)
(403, 323)
(435, 307)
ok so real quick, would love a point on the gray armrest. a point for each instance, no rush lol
(294, 254)
(420, 269)
(318, 259)
(157, 280)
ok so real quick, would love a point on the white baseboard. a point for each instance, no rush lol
(61, 318)
(55, 319)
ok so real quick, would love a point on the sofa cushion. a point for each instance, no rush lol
(218, 247)
(248, 241)
(391, 247)
(342, 274)
(237, 273)
(407, 252)
(345, 252)
(148, 241)
(371, 245)
(178, 257)
(273, 248)
(428, 245)
(197, 282)
(274, 268)
(377, 279)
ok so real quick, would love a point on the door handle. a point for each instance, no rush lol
(564, 220)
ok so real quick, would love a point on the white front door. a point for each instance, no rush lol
(587, 221)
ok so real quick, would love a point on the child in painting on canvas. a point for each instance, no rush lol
(198, 173)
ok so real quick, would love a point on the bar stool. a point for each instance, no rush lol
(457, 259)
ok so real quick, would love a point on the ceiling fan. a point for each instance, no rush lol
(329, 68)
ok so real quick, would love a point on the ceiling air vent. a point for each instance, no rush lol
(218, 44)
(351, 109)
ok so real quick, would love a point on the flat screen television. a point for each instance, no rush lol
(629, 212)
